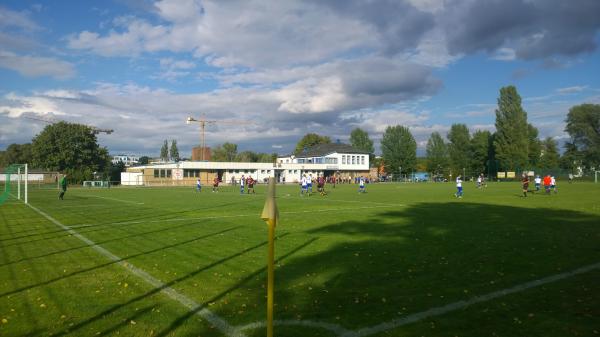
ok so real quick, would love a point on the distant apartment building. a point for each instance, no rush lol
(128, 160)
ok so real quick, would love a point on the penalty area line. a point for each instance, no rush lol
(187, 302)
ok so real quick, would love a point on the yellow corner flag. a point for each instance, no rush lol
(270, 214)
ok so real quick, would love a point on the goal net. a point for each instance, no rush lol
(13, 183)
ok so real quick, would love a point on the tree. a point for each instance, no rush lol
(359, 139)
(70, 148)
(511, 141)
(164, 151)
(583, 126)
(459, 148)
(114, 172)
(437, 154)
(144, 160)
(174, 151)
(550, 157)
(399, 150)
(224, 152)
(535, 146)
(481, 144)
(309, 140)
(16, 154)
(247, 157)
(571, 158)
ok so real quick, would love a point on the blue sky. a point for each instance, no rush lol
(141, 67)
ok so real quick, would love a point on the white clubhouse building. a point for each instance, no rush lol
(341, 160)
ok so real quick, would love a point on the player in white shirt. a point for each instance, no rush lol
(361, 185)
(553, 184)
(198, 185)
(304, 184)
(459, 189)
(538, 183)
(309, 182)
(242, 182)
(479, 182)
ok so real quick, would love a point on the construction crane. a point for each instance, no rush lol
(49, 120)
(203, 122)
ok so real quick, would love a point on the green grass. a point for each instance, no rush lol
(346, 259)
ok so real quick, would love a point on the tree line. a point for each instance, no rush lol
(514, 146)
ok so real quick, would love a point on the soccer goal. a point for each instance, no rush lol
(13, 183)
(96, 183)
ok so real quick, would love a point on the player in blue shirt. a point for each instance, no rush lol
(198, 185)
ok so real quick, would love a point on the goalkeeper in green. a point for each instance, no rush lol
(63, 187)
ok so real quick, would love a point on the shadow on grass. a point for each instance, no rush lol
(427, 255)
(155, 291)
(86, 270)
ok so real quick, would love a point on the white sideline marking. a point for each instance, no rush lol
(436, 311)
(205, 313)
(228, 216)
(115, 199)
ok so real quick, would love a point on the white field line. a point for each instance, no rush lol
(230, 216)
(436, 311)
(187, 302)
(115, 199)
(81, 206)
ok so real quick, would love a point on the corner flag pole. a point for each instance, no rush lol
(270, 215)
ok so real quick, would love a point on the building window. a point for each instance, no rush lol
(353, 160)
(287, 161)
(362, 160)
(168, 173)
(295, 171)
(344, 160)
(155, 173)
(268, 171)
(300, 161)
(290, 171)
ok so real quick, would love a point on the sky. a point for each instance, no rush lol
(271, 71)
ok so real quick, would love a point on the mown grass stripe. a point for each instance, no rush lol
(205, 313)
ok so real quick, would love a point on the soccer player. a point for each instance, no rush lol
(479, 181)
(361, 185)
(309, 182)
(242, 182)
(63, 187)
(216, 184)
(304, 185)
(198, 185)
(250, 183)
(525, 183)
(553, 184)
(538, 183)
(321, 185)
(547, 181)
(459, 189)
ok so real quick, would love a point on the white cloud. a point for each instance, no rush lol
(571, 90)
(21, 20)
(36, 66)
(16, 106)
(505, 54)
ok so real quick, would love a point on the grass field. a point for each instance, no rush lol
(400, 260)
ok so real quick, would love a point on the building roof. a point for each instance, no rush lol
(320, 150)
